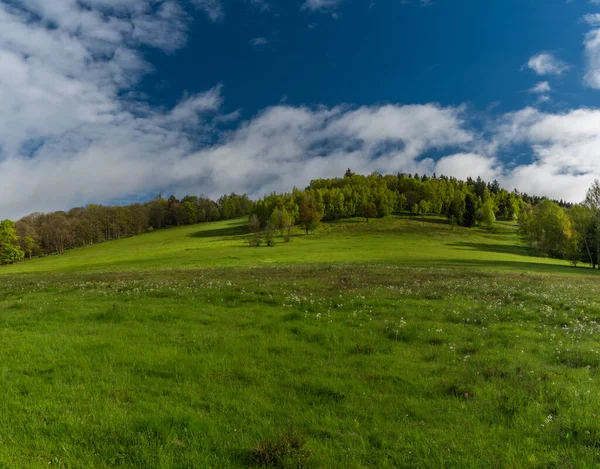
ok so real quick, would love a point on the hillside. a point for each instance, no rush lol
(399, 240)
(400, 343)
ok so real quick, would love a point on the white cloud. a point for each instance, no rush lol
(565, 149)
(258, 41)
(262, 5)
(54, 79)
(321, 5)
(213, 8)
(592, 52)
(545, 63)
(189, 109)
(541, 87)
(68, 132)
(465, 165)
(593, 19)
(286, 146)
(280, 148)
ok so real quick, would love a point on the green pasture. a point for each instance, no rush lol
(401, 343)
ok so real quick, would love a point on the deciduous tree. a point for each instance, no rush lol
(10, 251)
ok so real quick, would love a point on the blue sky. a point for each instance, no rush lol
(451, 52)
(116, 100)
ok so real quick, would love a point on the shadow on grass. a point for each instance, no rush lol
(433, 221)
(235, 230)
(346, 221)
(497, 248)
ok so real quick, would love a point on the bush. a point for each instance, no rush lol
(255, 241)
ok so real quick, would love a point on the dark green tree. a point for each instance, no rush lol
(471, 207)
(369, 211)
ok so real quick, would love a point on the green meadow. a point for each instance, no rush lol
(399, 343)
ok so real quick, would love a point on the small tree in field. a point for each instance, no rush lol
(288, 223)
(310, 215)
(254, 226)
(270, 233)
(30, 245)
(276, 219)
(369, 210)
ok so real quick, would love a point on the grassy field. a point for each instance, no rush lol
(403, 343)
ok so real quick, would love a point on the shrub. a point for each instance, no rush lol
(255, 241)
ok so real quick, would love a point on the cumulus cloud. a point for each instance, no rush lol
(541, 87)
(68, 133)
(565, 149)
(465, 165)
(287, 146)
(545, 63)
(593, 19)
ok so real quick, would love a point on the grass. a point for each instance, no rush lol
(401, 344)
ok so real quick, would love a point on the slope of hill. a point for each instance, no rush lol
(400, 343)
(420, 241)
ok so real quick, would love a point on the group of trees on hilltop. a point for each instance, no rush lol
(466, 203)
(53, 233)
(571, 232)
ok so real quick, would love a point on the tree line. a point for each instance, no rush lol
(41, 234)
(465, 203)
(568, 232)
